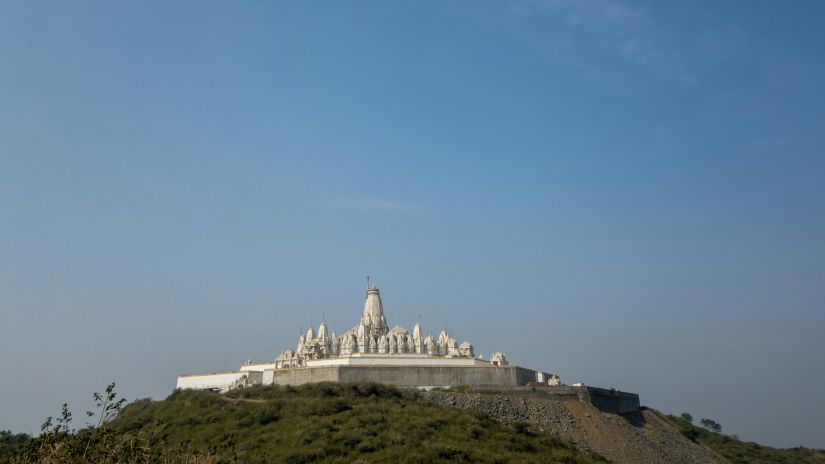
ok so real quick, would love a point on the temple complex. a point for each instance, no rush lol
(371, 351)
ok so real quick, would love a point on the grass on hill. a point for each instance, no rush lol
(12, 443)
(334, 423)
(740, 452)
(325, 423)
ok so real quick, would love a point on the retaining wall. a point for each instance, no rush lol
(607, 400)
(407, 376)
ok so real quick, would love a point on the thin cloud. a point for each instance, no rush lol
(371, 205)
(629, 32)
(595, 15)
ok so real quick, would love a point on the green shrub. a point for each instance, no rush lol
(454, 454)
(369, 445)
(267, 415)
(301, 456)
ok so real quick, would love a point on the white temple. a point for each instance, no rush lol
(371, 351)
(372, 335)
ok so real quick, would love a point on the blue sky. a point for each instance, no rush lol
(629, 194)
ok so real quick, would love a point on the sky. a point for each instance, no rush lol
(627, 194)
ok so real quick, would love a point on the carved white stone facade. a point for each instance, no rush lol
(372, 335)
(372, 345)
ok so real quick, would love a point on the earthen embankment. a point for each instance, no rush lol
(633, 437)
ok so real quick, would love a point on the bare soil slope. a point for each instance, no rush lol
(640, 437)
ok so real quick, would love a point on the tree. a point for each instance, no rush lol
(711, 425)
(687, 417)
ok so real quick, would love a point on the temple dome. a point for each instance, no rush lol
(398, 330)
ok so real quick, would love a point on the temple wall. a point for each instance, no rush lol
(301, 375)
(427, 376)
(430, 376)
(216, 381)
(257, 367)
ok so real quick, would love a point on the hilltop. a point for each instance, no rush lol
(336, 423)
(325, 423)
(333, 422)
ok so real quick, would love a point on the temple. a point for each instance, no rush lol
(373, 352)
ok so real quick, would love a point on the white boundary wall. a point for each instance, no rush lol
(222, 381)
(257, 367)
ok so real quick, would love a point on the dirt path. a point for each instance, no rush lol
(243, 400)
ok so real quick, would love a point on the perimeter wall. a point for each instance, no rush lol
(420, 376)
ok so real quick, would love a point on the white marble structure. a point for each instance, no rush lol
(369, 344)
(372, 335)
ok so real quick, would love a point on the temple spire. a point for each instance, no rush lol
(373, 315)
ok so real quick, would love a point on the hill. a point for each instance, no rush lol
(315, 423)
(331, 423)
(740, 452)
(645, 436)
(635, 437)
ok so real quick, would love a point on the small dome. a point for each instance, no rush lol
(398, 330)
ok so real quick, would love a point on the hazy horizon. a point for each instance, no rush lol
(628, 194)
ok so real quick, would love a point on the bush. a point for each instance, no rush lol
(522, 428)
(301, 456)
(711, 425)
(690, 433)
(268, 415)
(454, 454)
(368, 446)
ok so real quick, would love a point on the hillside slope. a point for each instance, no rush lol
(335, 423)
(740, 452)
(630, 438)
(647, 436)
(374, 423)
